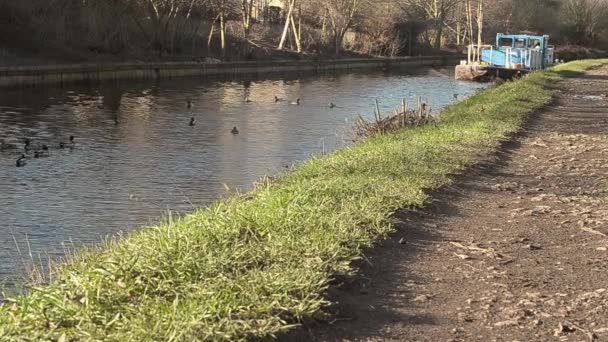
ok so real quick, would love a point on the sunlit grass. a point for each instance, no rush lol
(249, 265)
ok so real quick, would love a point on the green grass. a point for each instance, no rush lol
(249, 265)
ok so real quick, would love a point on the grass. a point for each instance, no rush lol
(249, 265)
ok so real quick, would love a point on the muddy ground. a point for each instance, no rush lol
(515, 250)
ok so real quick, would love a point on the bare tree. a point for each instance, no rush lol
(222, 10)
(341, 15)
(584, 18)
(435, 11)
(246, 15)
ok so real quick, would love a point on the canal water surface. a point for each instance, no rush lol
(136, 157)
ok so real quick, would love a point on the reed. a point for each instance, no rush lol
(391, 122)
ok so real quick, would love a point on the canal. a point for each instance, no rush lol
(135, 157)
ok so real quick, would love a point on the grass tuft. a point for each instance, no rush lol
(247, 266)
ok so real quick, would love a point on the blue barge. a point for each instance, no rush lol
(512, 54)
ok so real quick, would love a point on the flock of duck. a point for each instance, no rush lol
(235, 130)
(42, 150)
(38, 151)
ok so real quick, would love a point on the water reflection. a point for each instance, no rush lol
(135, 155)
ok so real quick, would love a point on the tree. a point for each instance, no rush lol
(341, 15)
(246, 15)
(584, 19)
(221, 10)
(436, 11)
(291, 6)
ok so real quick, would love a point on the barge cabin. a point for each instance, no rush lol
(512, 54)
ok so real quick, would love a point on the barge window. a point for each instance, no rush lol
(534, 43)
(520, 43)
(505, 42)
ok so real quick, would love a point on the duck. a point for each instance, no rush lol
(234, 130)
(27, 144)
(191, 122)
(247, 99)
(21, 161)
(69, 144)
(297, 103)
(41, 154)
(332, 105)
(277, 99)
(189, 104)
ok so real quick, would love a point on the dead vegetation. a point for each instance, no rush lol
(402, 117)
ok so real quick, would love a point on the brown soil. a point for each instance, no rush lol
(516, 250)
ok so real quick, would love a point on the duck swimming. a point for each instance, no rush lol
(21, 161)
(247, 99)
(27, 144)
(235, 130)
(41, 154)
(277, 99)
(297, 103)
(332, 105)
(191, 122)
(69, 144)
(44, 152)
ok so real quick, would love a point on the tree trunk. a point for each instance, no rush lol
(210, 39)
(439, 29)
(458, 24)
(296, 35)
(287, 22)
(479, 27)
(339, 38)
(324, 31)
(223, 33)
(470, 21)
(247, 10)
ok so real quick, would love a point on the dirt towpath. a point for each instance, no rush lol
(515, 250)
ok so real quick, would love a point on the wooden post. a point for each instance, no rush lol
(404, 120)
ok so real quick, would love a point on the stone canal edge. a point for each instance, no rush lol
(514, 250)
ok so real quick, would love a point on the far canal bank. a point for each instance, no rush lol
(249, 265)
(19, 76)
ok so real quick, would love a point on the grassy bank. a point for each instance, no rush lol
(248, 265)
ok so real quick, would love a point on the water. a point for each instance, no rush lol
(120, 176)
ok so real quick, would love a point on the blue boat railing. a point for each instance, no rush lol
(508, 57)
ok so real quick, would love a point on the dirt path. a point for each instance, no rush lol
(514, 251)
